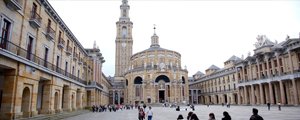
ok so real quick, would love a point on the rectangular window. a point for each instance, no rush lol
(49, 23)
(29, 48)
(66, 68)
(78, 73)
(33, 10)
(57, 61)
(73, 70)
(46, 57)
(5, 34)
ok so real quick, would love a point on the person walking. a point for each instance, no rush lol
(255, 115)
(269, 105)
(149, 113)
(226, 116)
(279, 106)
(211, 116)
(141, 114)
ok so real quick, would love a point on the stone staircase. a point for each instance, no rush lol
(57, 116)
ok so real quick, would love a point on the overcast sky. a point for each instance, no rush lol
(203, 32)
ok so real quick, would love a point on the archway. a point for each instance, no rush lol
(25, 107)
(183, 80)
(162, 77)
(225, 99)
(56, 101)
(138, 81)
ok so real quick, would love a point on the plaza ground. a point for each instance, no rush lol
(162, 113)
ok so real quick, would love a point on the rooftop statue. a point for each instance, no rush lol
(262, 40)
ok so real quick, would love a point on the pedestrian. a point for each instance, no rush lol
(255, 115)
(141, 115)
(149, 113)
(211, 116)
(279, 106)
(194, 117)
(180, 117)
(226, 116)
(189, 115)
(269, 105)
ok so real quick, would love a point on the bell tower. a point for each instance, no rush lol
(123, 40)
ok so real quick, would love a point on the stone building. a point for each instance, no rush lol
(217, 85)
(271, 75)
(150, 76)
(43, 67)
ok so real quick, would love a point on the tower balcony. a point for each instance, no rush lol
(35, 20)
(75, 56)
(61, 43)
(69, 50)
(13, 4)
(80, 61)
(50, 33)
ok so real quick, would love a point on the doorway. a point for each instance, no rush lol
(161, 96)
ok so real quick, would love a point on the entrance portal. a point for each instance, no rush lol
(161, 96)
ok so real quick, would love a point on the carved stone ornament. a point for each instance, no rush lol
(262, 40)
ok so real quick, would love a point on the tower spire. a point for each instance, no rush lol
(154, 27)
(154, 38)
(124, 11)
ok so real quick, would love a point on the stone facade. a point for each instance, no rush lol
(155, 76)
(43, 67)
(271, 75)
(151, 76)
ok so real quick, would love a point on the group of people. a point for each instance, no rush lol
(211, 116)
(110, 108)
(142, 114)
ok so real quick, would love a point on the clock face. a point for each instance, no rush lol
(123, 44)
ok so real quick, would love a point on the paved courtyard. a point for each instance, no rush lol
(236, 112)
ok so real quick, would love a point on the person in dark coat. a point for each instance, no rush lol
(269, 105)
(194, 117)
(226, 116)
(189, 115)
(255, 115)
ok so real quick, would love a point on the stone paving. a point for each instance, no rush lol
(163, 113)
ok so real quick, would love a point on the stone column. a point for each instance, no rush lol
(262, 97)
(291, 62)
(295, 92)
(252, 95)
(250, 72)
(278, 64)
(239, 96)
(197, 98)
(282, 94)
(271, 93)
(67, 99)
(245, 95)
(119, 97)
(273, 67)
(268, 66)
(114, 99)
(46, 99)
(243, 74)
(258, 69)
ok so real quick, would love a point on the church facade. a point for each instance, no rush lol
(150, 76)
